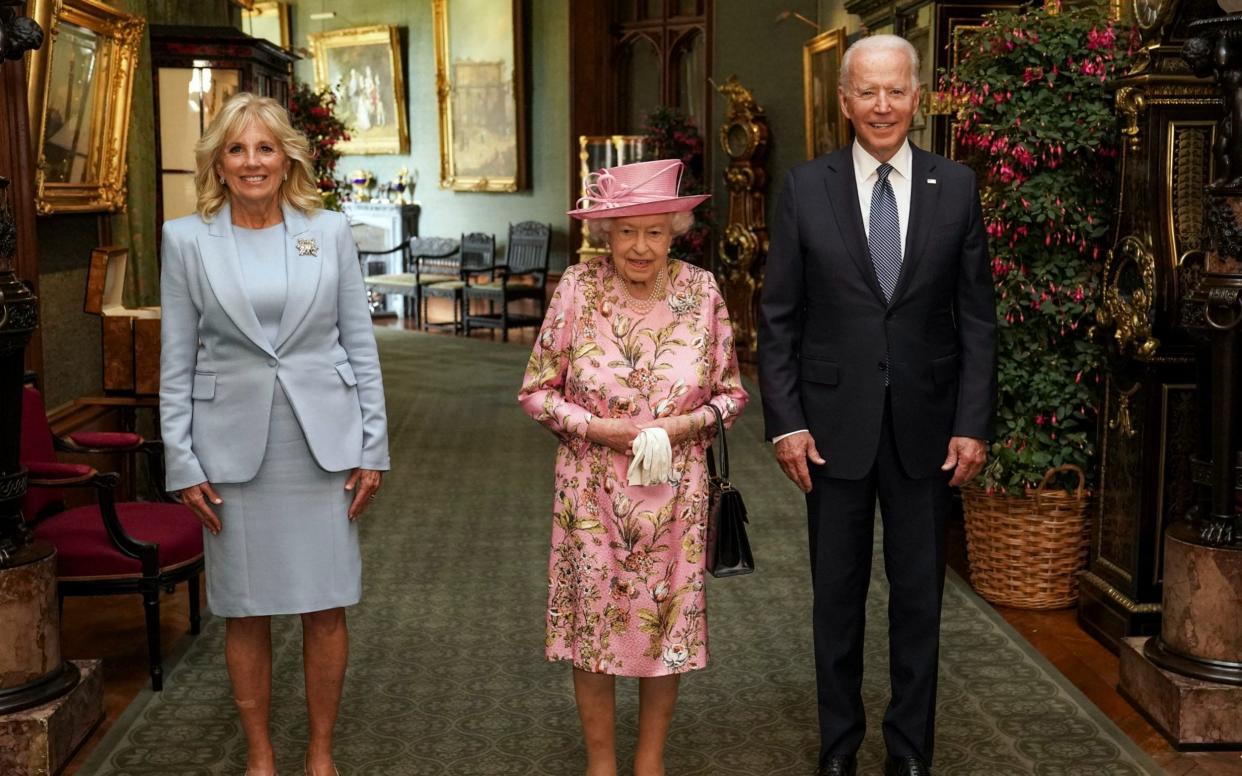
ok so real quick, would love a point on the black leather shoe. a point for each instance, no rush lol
(905, 766)
(838, 765)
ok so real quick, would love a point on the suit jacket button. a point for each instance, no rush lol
(883, 365)
(271, 362)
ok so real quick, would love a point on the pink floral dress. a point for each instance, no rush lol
(626, 575)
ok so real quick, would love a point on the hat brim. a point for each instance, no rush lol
(674, 205)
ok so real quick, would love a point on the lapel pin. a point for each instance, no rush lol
(932, 181)
(307, 246)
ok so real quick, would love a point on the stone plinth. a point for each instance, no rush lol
(39, 741)
(30, 638)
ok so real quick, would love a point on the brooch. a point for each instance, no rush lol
(307, 246)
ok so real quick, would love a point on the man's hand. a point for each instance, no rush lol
(967, 455)
(793, 452)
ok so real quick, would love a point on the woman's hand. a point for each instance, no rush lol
(365, 484)
(615, 433)
(199, 499)
(678, 427)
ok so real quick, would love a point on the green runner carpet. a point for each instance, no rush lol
(447, 673)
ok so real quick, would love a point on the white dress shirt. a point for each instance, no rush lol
(865, 176)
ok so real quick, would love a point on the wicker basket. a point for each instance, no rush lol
(1026, 551)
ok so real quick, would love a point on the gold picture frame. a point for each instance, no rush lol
(826, 128)
(363, 66)
(81, 85)
(481, 88)
(268, 20)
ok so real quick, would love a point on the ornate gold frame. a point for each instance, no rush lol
(363, 36)
(821, 43)
(273, 8)
(449, 179)
(121, 36)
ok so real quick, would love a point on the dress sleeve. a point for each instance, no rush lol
(543, 388)
(728, 395)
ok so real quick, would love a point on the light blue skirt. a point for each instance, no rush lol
(286, 544)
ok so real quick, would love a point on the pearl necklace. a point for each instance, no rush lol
(644, 306)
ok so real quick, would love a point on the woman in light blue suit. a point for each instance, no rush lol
(271, 407)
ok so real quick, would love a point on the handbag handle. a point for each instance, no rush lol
(724, 447)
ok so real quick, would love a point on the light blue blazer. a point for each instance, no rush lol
(218, 370)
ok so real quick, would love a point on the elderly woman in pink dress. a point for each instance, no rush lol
(634, 348)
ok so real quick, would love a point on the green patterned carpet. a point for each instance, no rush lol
(447, 673)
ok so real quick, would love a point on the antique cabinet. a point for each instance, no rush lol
(196, 69)
(1150, 419)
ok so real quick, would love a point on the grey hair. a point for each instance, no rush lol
(876, 43)
(598, 228)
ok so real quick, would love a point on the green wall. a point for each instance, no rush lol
(446, 212)
(766, 57)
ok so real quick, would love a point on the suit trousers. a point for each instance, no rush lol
(841, 517)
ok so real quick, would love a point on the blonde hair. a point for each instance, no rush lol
(679, 223)
(299, 189)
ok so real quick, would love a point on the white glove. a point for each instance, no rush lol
(653, 457)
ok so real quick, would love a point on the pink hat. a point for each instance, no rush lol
(638, 189)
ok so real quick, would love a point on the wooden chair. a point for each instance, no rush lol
(426, 260)
(526, 261)
(108, 547)
(476, 255)
(375, 281)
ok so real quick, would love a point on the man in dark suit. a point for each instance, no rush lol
(877, 366)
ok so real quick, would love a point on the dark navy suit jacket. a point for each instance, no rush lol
(827, 339)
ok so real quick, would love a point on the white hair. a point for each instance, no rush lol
(679, 223)
(878, 43)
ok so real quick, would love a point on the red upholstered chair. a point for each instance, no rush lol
(108, 547)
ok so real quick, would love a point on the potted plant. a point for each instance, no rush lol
(1035, 120)
(313, 112)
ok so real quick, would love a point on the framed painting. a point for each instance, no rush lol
(362, 65)
(268, 20)
(826, 129)
(481, 86)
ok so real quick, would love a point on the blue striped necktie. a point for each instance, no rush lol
(884, 233)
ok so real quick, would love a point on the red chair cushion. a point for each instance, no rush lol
(83, 548)
(50, 470)
(106, 439)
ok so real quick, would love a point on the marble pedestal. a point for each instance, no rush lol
(1202, 602)
(30, 640)
(1188, 680)
(1191, 713)
(39, 741)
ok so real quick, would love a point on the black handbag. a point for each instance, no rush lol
(728, 547)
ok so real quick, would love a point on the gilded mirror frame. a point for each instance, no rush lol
(511, 51)
(120, 37)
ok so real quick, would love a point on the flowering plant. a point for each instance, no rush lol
(672, 135)
(312, 113)
(1035, 121)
